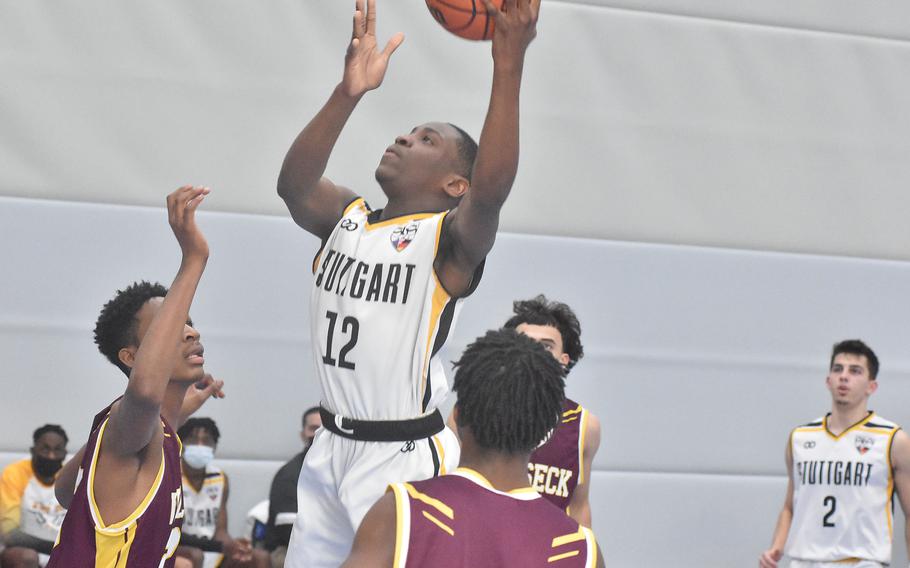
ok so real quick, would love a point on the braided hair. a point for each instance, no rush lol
(510, 391)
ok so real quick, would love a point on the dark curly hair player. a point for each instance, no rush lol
(123, 489)
(484, 514)
(560, 468)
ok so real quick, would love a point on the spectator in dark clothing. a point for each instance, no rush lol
(283, 493)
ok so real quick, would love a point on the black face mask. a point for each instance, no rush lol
(45, 467)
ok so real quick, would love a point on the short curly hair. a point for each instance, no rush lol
(117, 324)
(541, 311)
(50, 428)
(192, 424)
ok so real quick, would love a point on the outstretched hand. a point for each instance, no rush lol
(515, 26)
(181, 214)
(364, 65)
(208, 387)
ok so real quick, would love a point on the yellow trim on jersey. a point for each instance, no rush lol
(563, 556)
(854, 426)
(435, 503)
(401, 501)
(568, 538)
(808, 429)
(351, 205)
(439, 523)
(581, 446)
(578, 410)
(113, 550)
(442, 454)
(890, 483)
(522, 491)
(402, 220)
(592, 552)
(567, 420)
(440, 300)
(479, 477)
(118, 527)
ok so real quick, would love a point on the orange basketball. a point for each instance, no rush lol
(464, 18)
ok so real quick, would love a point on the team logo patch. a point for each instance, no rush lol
(809, 444)
(402, 236)
(863, 444)
(349, 225)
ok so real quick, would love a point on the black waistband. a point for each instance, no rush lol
(383, 430)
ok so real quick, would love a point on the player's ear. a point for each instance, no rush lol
(127, 356)
(456, 186)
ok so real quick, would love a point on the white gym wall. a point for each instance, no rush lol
(770, 127)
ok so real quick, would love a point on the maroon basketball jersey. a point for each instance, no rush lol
(459, 520)
(557, 467)
(147, 538)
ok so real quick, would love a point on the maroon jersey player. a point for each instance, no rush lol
(560, 468)
(484, 514)
(127, 506)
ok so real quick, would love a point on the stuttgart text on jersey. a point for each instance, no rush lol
(838, 472)
(378, 282)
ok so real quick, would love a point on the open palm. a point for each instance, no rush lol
(364, 64)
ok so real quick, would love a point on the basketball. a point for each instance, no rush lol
(465, 18)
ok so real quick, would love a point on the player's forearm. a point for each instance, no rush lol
(155, 359)
(65, 484)
(497, 155)
(782, 529)
(308, 156)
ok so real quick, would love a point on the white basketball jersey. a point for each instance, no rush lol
(202, 507)
(842, 491)
(41, 515)
(379, 316)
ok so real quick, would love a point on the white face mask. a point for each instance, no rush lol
(197, 456)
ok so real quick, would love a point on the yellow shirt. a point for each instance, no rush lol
(28, 504)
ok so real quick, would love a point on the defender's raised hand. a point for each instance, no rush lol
(515, 27)
(364, 65)
(181, 214)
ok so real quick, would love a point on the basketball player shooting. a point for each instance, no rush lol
(388, 281)
(127, 508)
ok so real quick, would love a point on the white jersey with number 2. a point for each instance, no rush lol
(842, 491)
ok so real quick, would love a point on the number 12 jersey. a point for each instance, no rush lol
(379, 315)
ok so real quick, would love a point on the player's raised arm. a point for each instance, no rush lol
(471, 228)
(769, 558)
(135, 419)
(315, 202)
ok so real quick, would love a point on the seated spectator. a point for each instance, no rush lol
(256, 520)
(283, 493)
(30, 516)
(205, 496)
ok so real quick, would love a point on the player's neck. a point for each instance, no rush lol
(843, 417)
(504, 472)
(410, 205)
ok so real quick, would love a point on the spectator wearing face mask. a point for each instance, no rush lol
(205, 540)
(30, 516)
